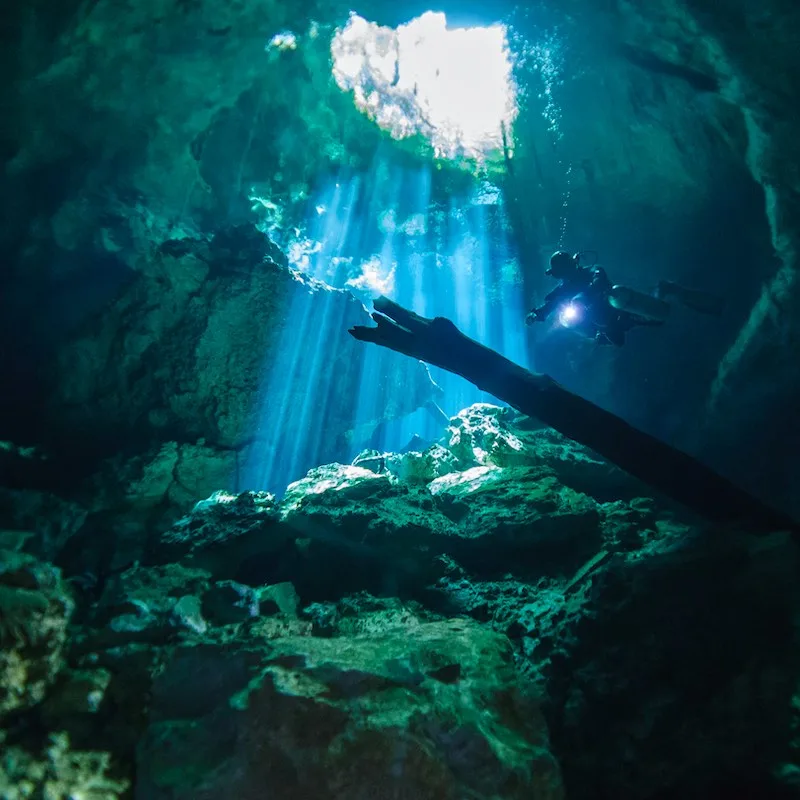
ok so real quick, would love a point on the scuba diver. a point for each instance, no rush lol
(587, 302)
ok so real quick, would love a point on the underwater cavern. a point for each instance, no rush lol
(400, 400)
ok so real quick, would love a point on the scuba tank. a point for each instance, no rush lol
(639, 304)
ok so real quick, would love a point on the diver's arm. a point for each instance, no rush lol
(551, 300)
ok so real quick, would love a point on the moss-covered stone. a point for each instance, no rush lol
(59, 772)
(35, 608)
(436, 713)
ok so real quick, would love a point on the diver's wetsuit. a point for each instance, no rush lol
(593, 285)
(592, 282)
(591, 288)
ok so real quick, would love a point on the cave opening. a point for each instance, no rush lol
(453, 85)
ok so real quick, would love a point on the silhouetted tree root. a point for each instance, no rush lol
(678, 475)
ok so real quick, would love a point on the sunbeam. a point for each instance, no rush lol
(380, 234)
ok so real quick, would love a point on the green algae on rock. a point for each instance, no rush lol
(432, 711)
(35, 609)
(59, 772)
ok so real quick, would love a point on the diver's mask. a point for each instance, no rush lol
(561, 263)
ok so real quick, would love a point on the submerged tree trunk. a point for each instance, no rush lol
(678, 475)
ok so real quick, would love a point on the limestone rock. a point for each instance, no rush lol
(711, 643)
(58, 772)
(48, 521)
(192, 350)
(362, 507)
(518, 514)
(412, 466)
(347, 482)
(187, 614)
(178, 474)
(480, 435)
(223, 531)
(358, 530)
(422, 467)
(439, 714)
(35, 609)
(228, 602)
(629, 525)
(488, 435)
(362, 614)
(428, 633)
(382, 512)
(281, 598)
(150, 604)
(160, 604)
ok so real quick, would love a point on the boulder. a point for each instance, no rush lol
(438, 714)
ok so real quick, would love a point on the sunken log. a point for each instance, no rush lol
(666, 469)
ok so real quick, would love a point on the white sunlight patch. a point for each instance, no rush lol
(454, 86)
(373, 278)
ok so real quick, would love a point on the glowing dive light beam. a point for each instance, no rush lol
(569, 315)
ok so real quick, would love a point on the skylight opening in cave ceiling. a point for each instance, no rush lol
(454, 86)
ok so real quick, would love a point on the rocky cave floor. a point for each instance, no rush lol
(500, 616)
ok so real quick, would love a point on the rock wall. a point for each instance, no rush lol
(753, 59)
(139, 136)
(200, 114)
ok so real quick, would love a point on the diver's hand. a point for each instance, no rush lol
(533, 316)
